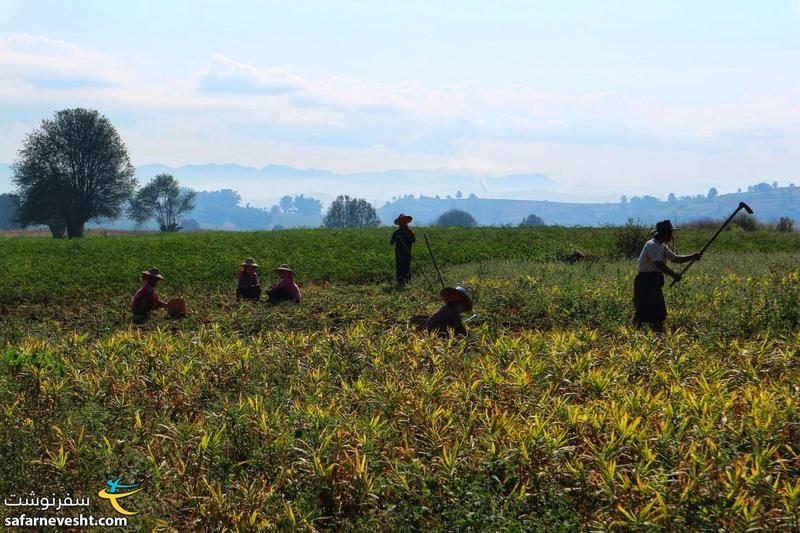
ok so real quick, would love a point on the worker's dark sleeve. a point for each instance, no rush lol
(157, 302)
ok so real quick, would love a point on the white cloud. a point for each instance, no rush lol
(233, 111)
(50, 63)
(223, 75)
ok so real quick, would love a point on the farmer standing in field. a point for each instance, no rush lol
(146, 299)
(248, 286)
(286, 289)
(648, 295)
(447, 320)
(403, 238)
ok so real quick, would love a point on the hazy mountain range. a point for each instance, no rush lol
(222, 203)
(264, 186)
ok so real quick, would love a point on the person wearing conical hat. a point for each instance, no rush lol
(146, 299)
(248, 286)
(285, 289)
(403, 239)
(447, 320)
(648, 295)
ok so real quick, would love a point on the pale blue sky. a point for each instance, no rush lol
(615, 94)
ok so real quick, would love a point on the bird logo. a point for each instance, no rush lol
(113, 494)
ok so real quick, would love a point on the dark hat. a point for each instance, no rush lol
(457, 294)
(663, 228)
(153, 273)
(285, 269)
(403, 219)
(250, 262)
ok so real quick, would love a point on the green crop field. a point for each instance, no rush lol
(552, 414)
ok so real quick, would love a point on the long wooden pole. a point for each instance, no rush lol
(742, 205)
(428, 244)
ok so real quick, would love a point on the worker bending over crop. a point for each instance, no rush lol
(447, 320)
(146, 299)
(403, 239)
(285, 289)
(648, 296)
(248, 286)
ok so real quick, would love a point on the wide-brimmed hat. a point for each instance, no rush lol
(457, 294)
(285, 269)
(402, 218)
(153, 273)
(250, 262)
(663, 228)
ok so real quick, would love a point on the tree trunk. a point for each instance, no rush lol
(75, 231)
(57, 229)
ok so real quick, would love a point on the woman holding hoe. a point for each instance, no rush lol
(648, 296)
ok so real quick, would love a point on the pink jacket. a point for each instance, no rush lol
(289, 285)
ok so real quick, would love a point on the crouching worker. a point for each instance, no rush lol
(448, 318)
(248, 286)
(648, 296)
(146, 299)
(286, 289)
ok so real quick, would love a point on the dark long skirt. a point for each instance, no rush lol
(250, 293)
(141, 314)
(280, 295)
(402, 265)
(648, 298)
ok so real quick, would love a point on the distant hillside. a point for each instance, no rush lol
(224, 208)
(769, 205)
(264, 186)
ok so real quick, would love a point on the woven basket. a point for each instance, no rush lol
(176, 308)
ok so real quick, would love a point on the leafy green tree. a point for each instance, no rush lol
(531, 221)
(456, 217)
(746, 222)
(630, 238)
(307, 206)
(712, 193)
(785, 225)
(346, 212)
(71, 170)
(8, 211)
(286, 204)
(163, 201)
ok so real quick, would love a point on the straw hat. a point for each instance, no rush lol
(153, 273)
(457, 294)
(663, 228)
(250, 262)
(284, 269)
(403, 219)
